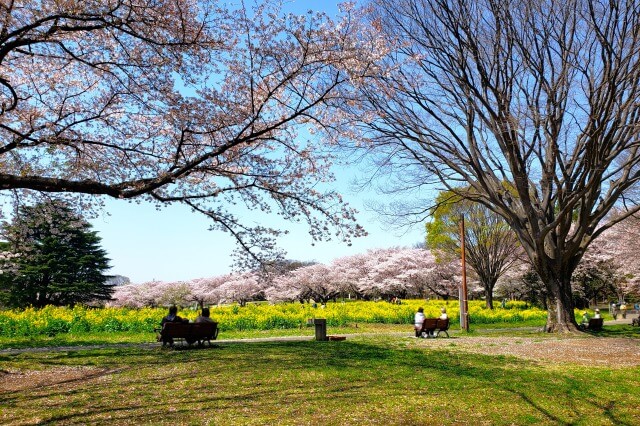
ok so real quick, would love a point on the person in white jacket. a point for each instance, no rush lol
(443, 313)
(418, 320)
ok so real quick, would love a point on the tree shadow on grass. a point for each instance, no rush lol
(617, 330)
(143, 383)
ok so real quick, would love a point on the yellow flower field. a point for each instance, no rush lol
(259, 316)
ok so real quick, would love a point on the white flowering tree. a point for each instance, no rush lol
(177, 101)
(207, 290)
(315, 282)
(242, 288)
(610, 264)
(139, 295)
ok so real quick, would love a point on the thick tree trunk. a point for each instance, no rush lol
(489, 297)
(560, 314)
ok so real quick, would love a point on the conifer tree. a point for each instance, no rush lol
(52, 257)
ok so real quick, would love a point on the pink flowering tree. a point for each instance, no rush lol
(178, 101)
(315, 282)
(207, 290)
(347, 271)
(610, 264)
(138, 295)
(242, 288)
(174, 293)
(522, 283)
(392, 272)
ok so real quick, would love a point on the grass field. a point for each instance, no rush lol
(373, 378)
(105, 338)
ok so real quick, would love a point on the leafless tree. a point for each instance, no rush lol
(533, 105)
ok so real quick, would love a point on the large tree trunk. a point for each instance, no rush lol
(560, 315)
(488, 292)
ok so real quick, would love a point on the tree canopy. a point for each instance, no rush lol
(52, 257)
(532, 105)
(491, 246)
(177, 101)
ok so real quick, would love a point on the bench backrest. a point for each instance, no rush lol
(595, 323)
(429, 324)
(443, 324)
(200, 330)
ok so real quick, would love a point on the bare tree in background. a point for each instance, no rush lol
(533, 105)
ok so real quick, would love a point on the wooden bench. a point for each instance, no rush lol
(188, 332)
(430, 325)
(594, 324)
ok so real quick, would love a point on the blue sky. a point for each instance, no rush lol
(175, 244)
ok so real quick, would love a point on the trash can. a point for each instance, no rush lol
(321, 328)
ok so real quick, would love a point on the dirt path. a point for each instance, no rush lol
(595, 351)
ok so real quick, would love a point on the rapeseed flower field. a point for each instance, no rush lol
(52, 320)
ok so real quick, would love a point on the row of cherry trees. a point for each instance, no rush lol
(608, 270)
(380, 273)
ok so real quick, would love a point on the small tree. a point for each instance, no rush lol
(491, 246)
(57, 259)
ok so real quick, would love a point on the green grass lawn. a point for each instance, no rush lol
(379, 379)
(104, 338)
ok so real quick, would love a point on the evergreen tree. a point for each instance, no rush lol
(52, 257)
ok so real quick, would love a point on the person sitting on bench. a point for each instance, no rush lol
(204, 316)
(173, 316)
(418, 320)
(443, 313)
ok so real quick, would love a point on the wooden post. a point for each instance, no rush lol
(464, 306)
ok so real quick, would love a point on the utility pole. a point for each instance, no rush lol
(464, 306)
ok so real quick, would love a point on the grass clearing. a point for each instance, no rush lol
(106, 338)
(367, 379)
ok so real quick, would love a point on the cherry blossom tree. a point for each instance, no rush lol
(315, 282)
(522, 283)
(394, 272)
(242, 288)
(348, 272)
(174, 293)
(207, 290)
(532, 105)
(612, 259)
(138, 295)
(177, 101)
